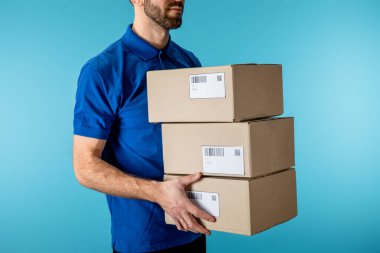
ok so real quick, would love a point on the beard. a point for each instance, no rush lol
(161, 17)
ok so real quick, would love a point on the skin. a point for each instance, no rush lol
(94, 173)
(150, 30)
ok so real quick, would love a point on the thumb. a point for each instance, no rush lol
(189, 179)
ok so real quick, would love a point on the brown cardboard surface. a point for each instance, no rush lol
(249, 206)
(272, 145)
(252, 91)
(257, 91)
(273, 200)
(268, 145)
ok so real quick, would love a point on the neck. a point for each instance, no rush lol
(151, 32)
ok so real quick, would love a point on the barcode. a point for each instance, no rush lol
(213, 198)
(219, 78)
(199, 79)
(214, 152)
(194, 195)
(237, 152)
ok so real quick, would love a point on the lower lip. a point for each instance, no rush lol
(177, 10)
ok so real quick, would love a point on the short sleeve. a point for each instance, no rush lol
(198, 64)
(95, 105)
(195, 60)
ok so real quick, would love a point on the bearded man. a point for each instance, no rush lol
(118, 152)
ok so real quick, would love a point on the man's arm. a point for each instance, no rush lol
(92, 172)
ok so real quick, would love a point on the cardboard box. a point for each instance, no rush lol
(215, 94)
(245, 206)
(242, 149)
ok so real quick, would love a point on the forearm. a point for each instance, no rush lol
(92, 172)
(99, 175)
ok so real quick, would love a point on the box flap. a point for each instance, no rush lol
(245, 64)
(266, 119)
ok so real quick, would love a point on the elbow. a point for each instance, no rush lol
(80, 174)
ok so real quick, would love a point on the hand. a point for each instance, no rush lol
(173, 199)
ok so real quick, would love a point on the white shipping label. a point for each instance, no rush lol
(223, 160)
(206, 201)
(207, 86)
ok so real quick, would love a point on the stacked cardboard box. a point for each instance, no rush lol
(217, 120)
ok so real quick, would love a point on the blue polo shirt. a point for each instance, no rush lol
(111, 104)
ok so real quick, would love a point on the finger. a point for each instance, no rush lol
(199, 213)
(183, 224)
(178, 224)
(199, 222)
(189, 179)
(194, 225)
(189, 223)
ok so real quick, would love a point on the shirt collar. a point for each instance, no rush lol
(141, 47)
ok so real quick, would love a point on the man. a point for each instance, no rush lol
(117, 152)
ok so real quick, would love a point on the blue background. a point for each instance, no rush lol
(330, 51)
